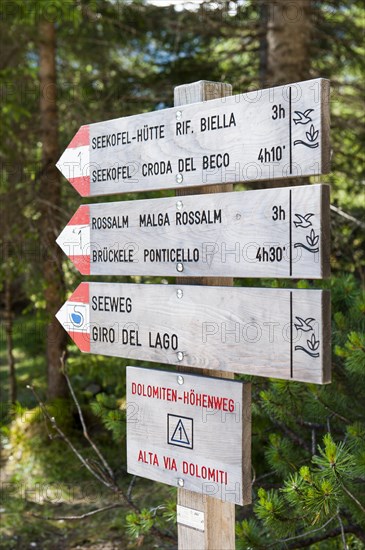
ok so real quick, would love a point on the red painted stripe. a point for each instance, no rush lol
(82, 340)
(82, 137)
(82, 263)
(81, 294)
(81, 184)
(81, 216)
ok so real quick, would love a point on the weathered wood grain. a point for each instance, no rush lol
(264, 135)
(266, 233)
(200, 423)
(277, 333)
(219, 517)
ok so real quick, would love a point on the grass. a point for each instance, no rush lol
(41, 476)
(30, 363)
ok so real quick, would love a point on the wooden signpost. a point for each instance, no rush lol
(219, 524)
(278, 333)
(264, 135)
(190, 431)
(176, 431)
(267, 233)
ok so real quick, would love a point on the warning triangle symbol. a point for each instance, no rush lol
(180, 435)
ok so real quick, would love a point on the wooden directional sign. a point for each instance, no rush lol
(278, 333)
(268, 233)
(190, 431)
(263, 135)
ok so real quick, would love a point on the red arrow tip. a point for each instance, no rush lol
(82, 263)
(81, 216)
(82, 340)
(81, 294)
(81, 138)
(74, 163)
(82, 185)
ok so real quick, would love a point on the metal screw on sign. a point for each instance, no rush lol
(180, 380)
(178, 115)
(179, 293)
(180, 482)
(180, 356)
(179, 178)
(179, 267)
(179, 205)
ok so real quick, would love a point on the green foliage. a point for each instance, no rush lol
(120, 58)
(311, 497)
(354, 354)
(140, 524)
(271, 510)
(42, 477)
(335, 461)
(169, 510)
(304, 490)
(282, 454)
(249, 535)
(108, 410)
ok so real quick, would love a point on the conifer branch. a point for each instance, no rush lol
(347, 216)
(346, 420)
(342, 532)
(81, 516)
(82, 420)
(305, 534)
(349, 494)
(353, 529)
(109, 483)
(130, 488)
(60, 432)
(306, 542)
(293, 436)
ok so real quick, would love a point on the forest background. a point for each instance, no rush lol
(64, 63)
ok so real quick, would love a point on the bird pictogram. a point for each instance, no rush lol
(303, 118)
(303, 221)
(304, 324)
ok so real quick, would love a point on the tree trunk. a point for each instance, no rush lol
(49, 197)
(287, 50)
(263, 9)
(8, 321)
(288, 41)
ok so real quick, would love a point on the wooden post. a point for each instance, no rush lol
(219, 517)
